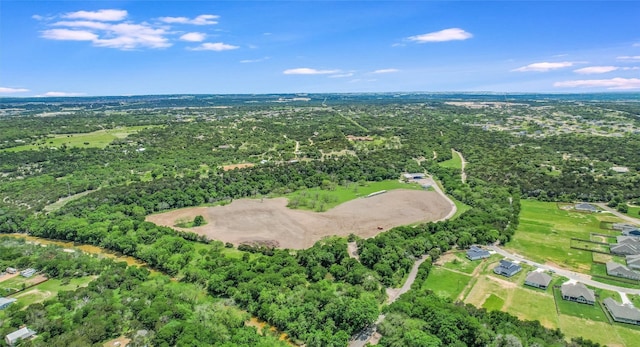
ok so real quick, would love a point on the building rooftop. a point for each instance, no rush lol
(622, 311)
(576, 290)
(539, 278)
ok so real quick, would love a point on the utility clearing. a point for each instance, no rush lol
(270, 222)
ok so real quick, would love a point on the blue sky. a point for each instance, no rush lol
(58, 48)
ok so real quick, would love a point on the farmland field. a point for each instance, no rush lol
(320, 200)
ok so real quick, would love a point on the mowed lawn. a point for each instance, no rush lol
(446, 283)
(50, 289)
(455, 162)
(313, 198)
(97, 139)
(545, 231)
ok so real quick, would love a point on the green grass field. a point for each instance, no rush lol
(446, 283)
(493, 303)
(97, 139)
(455, 162)
(317, 199)
(461, 263)
(634, 211)
(545, 231)
(50, 289)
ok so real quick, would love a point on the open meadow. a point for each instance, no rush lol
(95, 139)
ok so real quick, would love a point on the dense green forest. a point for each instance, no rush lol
(320, 296)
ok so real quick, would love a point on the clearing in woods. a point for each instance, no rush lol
(269, 221)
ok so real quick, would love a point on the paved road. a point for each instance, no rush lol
(618, 214)
(586, 279)
(363, 337)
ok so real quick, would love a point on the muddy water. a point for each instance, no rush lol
(84, 248)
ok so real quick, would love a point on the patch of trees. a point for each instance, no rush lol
(151, 310)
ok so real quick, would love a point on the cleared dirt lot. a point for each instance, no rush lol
(270, 221)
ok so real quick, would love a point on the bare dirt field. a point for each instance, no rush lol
(270, 221)
(237, 166)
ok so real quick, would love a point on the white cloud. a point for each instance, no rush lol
(8, 90)
(386, 71)
(128, 36)
(613, 83)
(246, 61)
(595, 70)
(203, 19)
(452, 34)
(37, 17)
(217, 46)
(100, 15)
(342, 75)
(637, 44)
(69, 35)
(83, 24)
(544, 66)
(193, 37)
(61, 94)
(628, 57)
(308, 71)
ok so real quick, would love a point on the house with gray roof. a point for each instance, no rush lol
(627, 245)
(578, 292)
(622, 313)
(622, 226)
(507, 268)
(584, 207)
(633, 262)
(28, 272)
(619, 270)
(21, 334)
(538, 280)
(5, 302)
(476, 253)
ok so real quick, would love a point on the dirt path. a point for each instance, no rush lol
(271, 221)
(297, 149)
(463, 174)
(352, 248)
(618, 214)
(363, 337)
(467, 288)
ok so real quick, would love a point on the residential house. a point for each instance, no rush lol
(578, 292)
(28, 272)
(11, 270)
(619, 270)
(623, 226)
(631, 232)
(507, 268)
(5, 302)
(18, 335)
(476, 253)
(627, 245)
(538, 279)
(622, 313)
(584, 207)
(633, 261)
